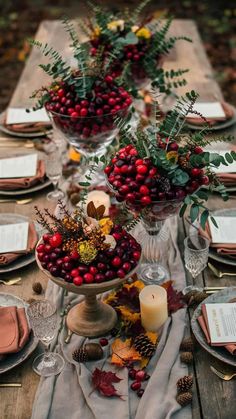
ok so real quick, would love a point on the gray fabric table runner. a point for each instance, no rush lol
(70, 395)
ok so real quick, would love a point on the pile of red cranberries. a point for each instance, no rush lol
(109, 264)
(88, 116)
(138, 181)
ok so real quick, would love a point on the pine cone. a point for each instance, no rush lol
(37, 287)
(186, 357)
(188, 298)
(80, 355)
(187, 344)
(184, 398)
(199, 297)
(184, 384)
(144, 346)
(163, 184)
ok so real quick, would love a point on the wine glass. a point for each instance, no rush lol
(196, 250)
(43, 319)
(53, 164)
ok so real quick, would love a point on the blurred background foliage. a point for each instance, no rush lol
(19, 19)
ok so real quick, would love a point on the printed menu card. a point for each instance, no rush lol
(226, 230)
(14, 237)
(221, 321)
(18, 167)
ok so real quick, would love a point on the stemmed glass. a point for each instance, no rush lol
(43, 319)
(196, 250)
(53, 164)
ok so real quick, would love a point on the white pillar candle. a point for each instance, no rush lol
(99, 198)
(153, 307)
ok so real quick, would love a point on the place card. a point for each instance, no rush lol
(18, 167)
(210, 110)
(226, 231)
(221, 319)
(14, 237)
(20, 116)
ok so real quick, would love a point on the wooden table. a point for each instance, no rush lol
(213, 398)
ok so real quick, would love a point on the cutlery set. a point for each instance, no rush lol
(222, 375)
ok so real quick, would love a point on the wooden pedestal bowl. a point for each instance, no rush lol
(91, 317)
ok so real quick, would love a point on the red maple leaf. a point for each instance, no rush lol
(102, 381)
(174, 298)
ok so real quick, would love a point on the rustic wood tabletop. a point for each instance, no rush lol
(213, 398)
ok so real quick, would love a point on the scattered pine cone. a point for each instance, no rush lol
(184, 398)
(187, 344)
(144, 346)
(199, 297)
(80, 355)
(37, 288)
(183, 162)
(186, 357)
(184, 383)
(89, 352)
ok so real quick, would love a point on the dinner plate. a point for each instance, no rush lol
(12, 360)
(217, 351)
(218, 126)
(227, 260)
(24, 260)
(22, 135)
(26, 191)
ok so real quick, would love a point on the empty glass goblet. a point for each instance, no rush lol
(196, 249)
(53, 164)
(43, 319)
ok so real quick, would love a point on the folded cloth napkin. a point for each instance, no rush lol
(228, 179)
(24, 183)
(14, 329)
(224, 248)
(6, 258)
(202, 320)
(28, 127)
(229, 112)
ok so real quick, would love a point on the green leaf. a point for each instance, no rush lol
(229, 158)
(182, 210)
(85, 184)
(180, 177)
(129, 39)
(194, 211)
(214, 221)
(203, 219)
(203, 195)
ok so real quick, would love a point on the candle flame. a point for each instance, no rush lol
(153, 296)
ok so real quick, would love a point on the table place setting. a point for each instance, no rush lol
(25, 123)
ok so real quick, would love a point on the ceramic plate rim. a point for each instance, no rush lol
(35, 188)
(201, 337)
(219, 126)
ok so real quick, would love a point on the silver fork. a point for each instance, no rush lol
(225, 377)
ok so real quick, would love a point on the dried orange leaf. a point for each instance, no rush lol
(91, 210)
(123, 351)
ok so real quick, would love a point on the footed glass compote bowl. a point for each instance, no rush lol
(153, 235)
(91, 317)
(88, 135)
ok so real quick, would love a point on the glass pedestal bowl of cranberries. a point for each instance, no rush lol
(110, 269)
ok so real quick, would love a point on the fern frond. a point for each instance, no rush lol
(138, 10)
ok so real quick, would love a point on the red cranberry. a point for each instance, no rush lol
(103, 341)
(146, 200)
(48, 248)
(59, 262)
(40, 248)
(54, 271)
(116, 261)
(88, 278)
(74, 273)
(195, 172)
(132, 373)
(78, 280)
(46, 258)
(140, 392)
(82, 269)
(41, 257)
(136, 385)
(144, 190)
(99, 278)
(121, 273)
(204, 180)
(126, 266)
(66, 259)
(74, 255)
(198, 150)
(67, 266)
(142, 169)
(68, 278)
(136, 255)
(46, 238)
(140, 375)
(53, 256)
(93, 270)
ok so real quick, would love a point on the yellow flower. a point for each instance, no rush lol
(87, 252)
(105, 225)
(134, 28)
(116, 25)
(138, 284)
(128, 315)
(172, 155)
(96, 32)
(74, 155)
(143, 33)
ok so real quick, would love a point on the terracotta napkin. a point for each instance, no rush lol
(6, 258)
(24, 183)
(28, 127)
(202, 320)
(229, 112)
(14, 329)
(225, 248)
